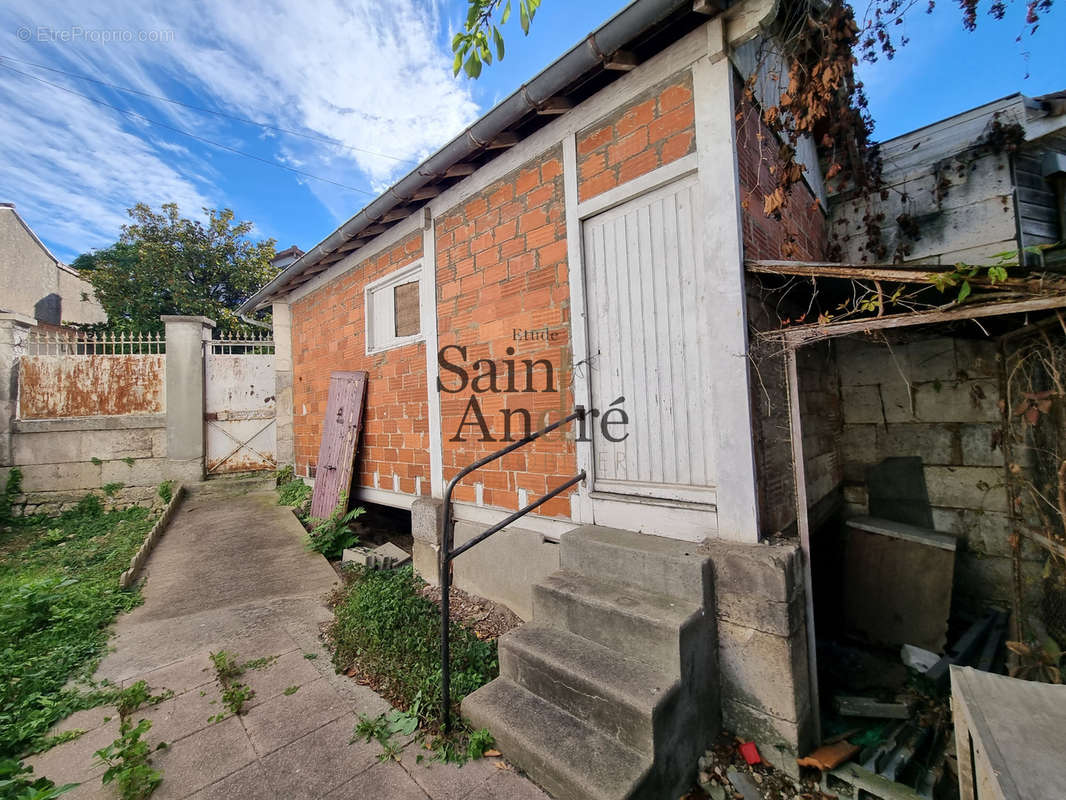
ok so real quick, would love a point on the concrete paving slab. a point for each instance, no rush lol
(291, 669)
(507, 785)
(174, 719)
(88, 720)
(73, 761)
(446, 781)
(286, 718)
(249, 782)
(179, 676)
(321, 761)
(201, 759)
(232, 573)
(386, 780)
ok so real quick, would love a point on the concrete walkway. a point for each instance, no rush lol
(231, 573)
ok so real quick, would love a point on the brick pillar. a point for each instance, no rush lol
(283, 399)
(185, 395)
(14, 329)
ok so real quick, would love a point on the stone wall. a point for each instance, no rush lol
(938, 398)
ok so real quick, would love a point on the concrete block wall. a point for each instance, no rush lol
(762, 647)
(939, 398)
(62, 460)
(504, 567)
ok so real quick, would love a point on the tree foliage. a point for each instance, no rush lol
(164, 263)
(471, 45)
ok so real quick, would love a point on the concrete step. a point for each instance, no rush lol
(623, 698)
(564, 754)
(652, 563)
(663, 632)
(230, 485)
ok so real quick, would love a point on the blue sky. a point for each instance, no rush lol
(366, 83)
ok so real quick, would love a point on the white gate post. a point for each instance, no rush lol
(283, 397)
(14, 329)
(185, 337)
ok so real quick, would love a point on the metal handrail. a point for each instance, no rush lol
(447, 554)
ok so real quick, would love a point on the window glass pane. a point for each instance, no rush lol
(405, 300)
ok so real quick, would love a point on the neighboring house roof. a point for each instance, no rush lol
(11, 207)
(289, 252)
(640, 30)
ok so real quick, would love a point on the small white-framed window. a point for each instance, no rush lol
(394, 309)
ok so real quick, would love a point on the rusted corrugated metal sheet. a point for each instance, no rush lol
(92, 385)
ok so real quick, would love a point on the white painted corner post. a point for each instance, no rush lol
(185, 337)
(725, 298)
(14, 330)
(281, 316)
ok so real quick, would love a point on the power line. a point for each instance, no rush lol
(210, 142)
(245, 120)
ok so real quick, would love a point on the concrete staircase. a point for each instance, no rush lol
(611, 691)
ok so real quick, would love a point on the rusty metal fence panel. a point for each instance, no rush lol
(66, 374)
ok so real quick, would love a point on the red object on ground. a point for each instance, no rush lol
(750, 752)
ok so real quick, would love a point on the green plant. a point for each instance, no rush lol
(227, 670)
(12, 489)
(128, 762)
(55, 606)
(284, 475)
(310, 656)
(332, 535)
(480, 742)
(290, 690)
(226, 666)
(136, 695)
(390, 632)
(16, 783)
(293, 492)
(96, 461)
(88, 506)
(166, 491)
(128, 461)
(111, 489)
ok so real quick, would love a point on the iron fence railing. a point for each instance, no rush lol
(448, 553)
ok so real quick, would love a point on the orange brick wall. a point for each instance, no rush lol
(652, 130)
(765, 237)
(501, 266)
(329, 333)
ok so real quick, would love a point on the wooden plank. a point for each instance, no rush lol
(808, 333)
(900, 273)
(554, 105)
(621, 61)
(348, 246)
(503, 141)
(340, 438)
(459, 170)
(426, 193)
(865, 707)
(396, 214)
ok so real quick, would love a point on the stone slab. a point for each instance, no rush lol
(286, 718)
(312, 766)
(198, 761)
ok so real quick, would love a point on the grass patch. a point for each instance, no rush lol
(391, 634)
(58, 593)
(291, 490)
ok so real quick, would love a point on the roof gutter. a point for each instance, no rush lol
(618, 31)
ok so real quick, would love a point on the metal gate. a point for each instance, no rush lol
(240, 427)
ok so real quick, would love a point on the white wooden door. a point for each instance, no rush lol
(646, 300)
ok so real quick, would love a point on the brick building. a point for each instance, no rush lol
(583, 244)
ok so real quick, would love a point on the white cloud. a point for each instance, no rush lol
(373, 74)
